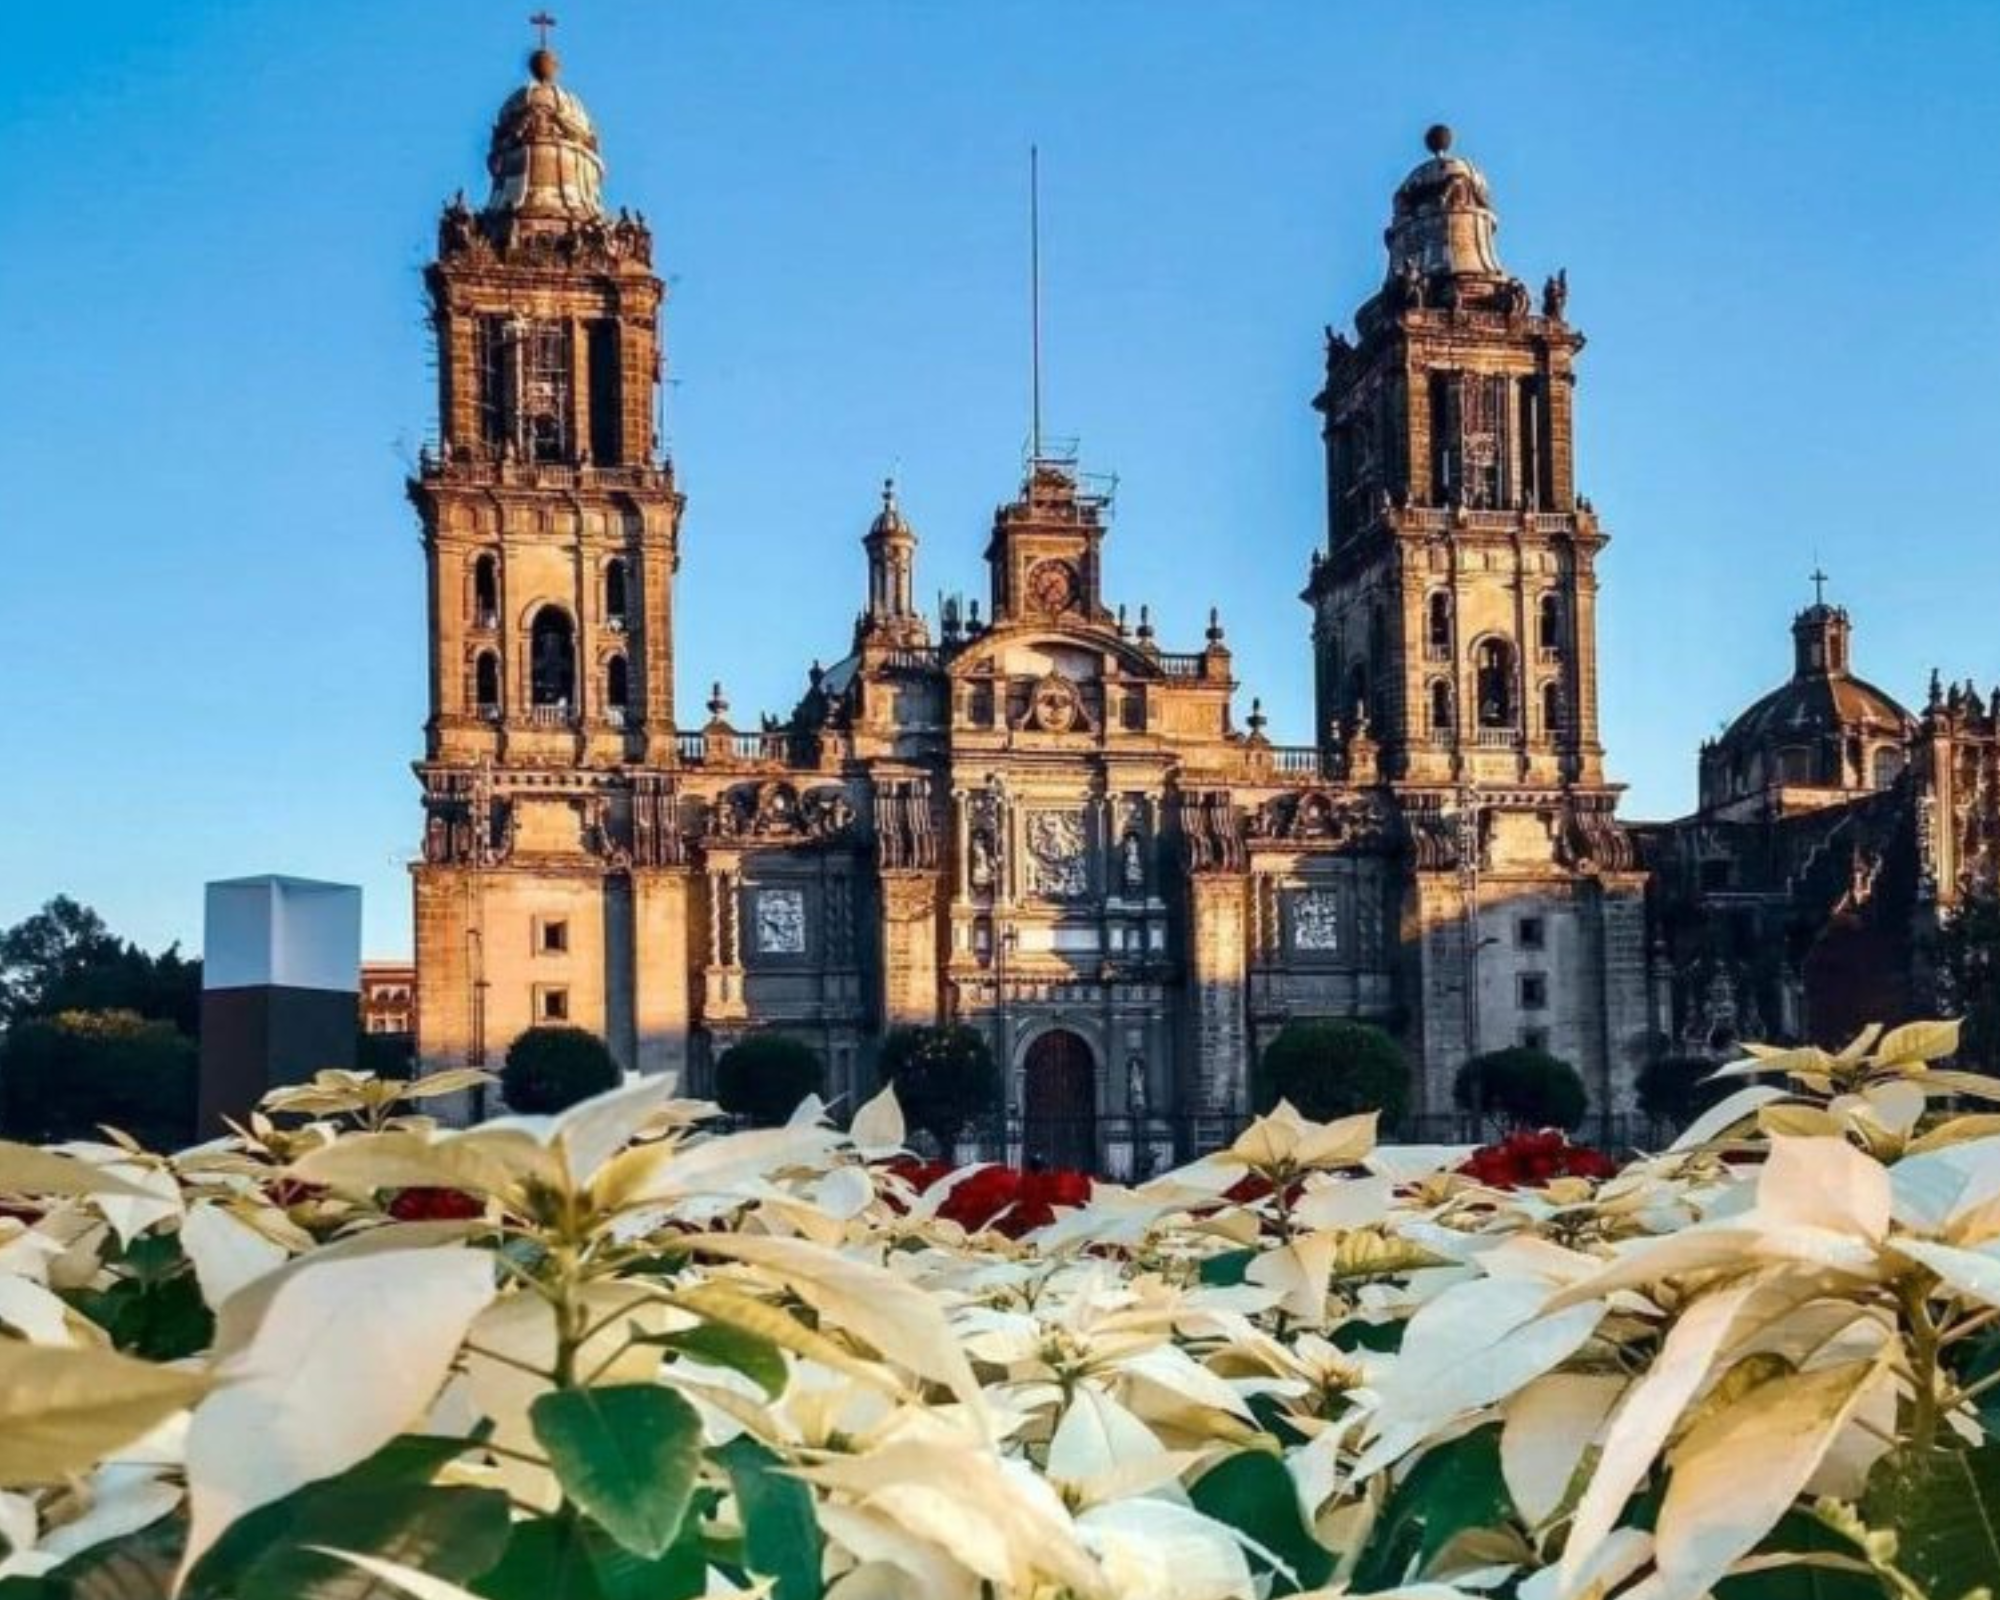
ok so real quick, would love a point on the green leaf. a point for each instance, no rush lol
(757, 1359)
(1226, 1270)
(1944, 1506)
(1799, 1534)
(781, 1533)
(138, 1566)
(627, 1455)
(1454, 1487)
(1252, 1493)
(383, 1506)
(545, 1559)
(1359, 1335)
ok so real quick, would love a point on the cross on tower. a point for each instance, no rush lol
(1818, 577)
(542, 22)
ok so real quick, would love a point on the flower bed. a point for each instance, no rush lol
(604, 1355)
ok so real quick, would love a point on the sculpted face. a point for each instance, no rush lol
(1055, 708)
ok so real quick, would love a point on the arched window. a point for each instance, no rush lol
(614, 592)
(1555, 718)
(1495, 670)
(1887, 766)
(1441, 717)
(1549, 623)
(552, 658)
(1438, 626)
(617, 687)
(1795, 765)
(486, 592)
(486, 683)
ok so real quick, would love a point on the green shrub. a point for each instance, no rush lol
(1674, 1088)
(1522, 1087)
(551, 1068)
(64, 1076)
(944, 1079)
(1329, 1069)
(765, 1076)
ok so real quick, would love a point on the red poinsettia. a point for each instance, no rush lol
(1527, 1160)
(424, 1204)
(1009, 1202)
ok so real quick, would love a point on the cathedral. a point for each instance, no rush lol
(1033, 817)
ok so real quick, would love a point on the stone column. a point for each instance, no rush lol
(909, 949)
(1219, 1081)
(661, 967)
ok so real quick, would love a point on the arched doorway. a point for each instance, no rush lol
(1059, 1103)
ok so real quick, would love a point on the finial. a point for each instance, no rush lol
(889, 493)
(1214, 625)
(815, 674)
(1818, 576)
(1437, 138)
(1257, 718)
(718, 702)
(1122, 629)
(1145, 622)
(543, 65)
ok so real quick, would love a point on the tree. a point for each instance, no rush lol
(63, 958)
(1966, 953)
(551, 1068)
(944, 1079)
(765, 1076)
(1523, 1087)
(1329, 1069)
(64, 1077)
(1676, 1088)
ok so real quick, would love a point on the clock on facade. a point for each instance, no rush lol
(1052, 586)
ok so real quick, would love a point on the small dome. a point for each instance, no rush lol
(1823, 729)
(544, 158)
(889, 521)
(1444, 219)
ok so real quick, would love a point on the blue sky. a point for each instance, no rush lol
(1779, 223)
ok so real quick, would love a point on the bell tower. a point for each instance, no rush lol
(552, 885)
(549, 517)
(1455, 604)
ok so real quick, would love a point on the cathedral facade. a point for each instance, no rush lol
(1031, 817)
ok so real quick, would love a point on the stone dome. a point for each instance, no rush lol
(1443, 219)
(543, 157)
(1823, 729)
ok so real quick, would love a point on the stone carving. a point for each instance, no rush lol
(1315, 920)
(1058, 864)
(1052, 586)
(780, 918)
(1345, 822)
(1054, 706)
(1213, 829)
(658, 839)
(1555, 296)
(1132, 862)
(905, 833)
(776, 810)
(1590, 839)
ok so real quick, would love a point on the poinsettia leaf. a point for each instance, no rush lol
(781, 1537)
(627, 1455)
(1799, 1534)
(360, 1504)
(1945, 1508)
(1252, 1493)
(1456, 1486)
(1226, 1271)
(756, 1358)
(452, 1533)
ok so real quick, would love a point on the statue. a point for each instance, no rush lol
(1133, 861)
(1135, 1084)
(1555, 296)
(981, 872)
(1410, 284)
